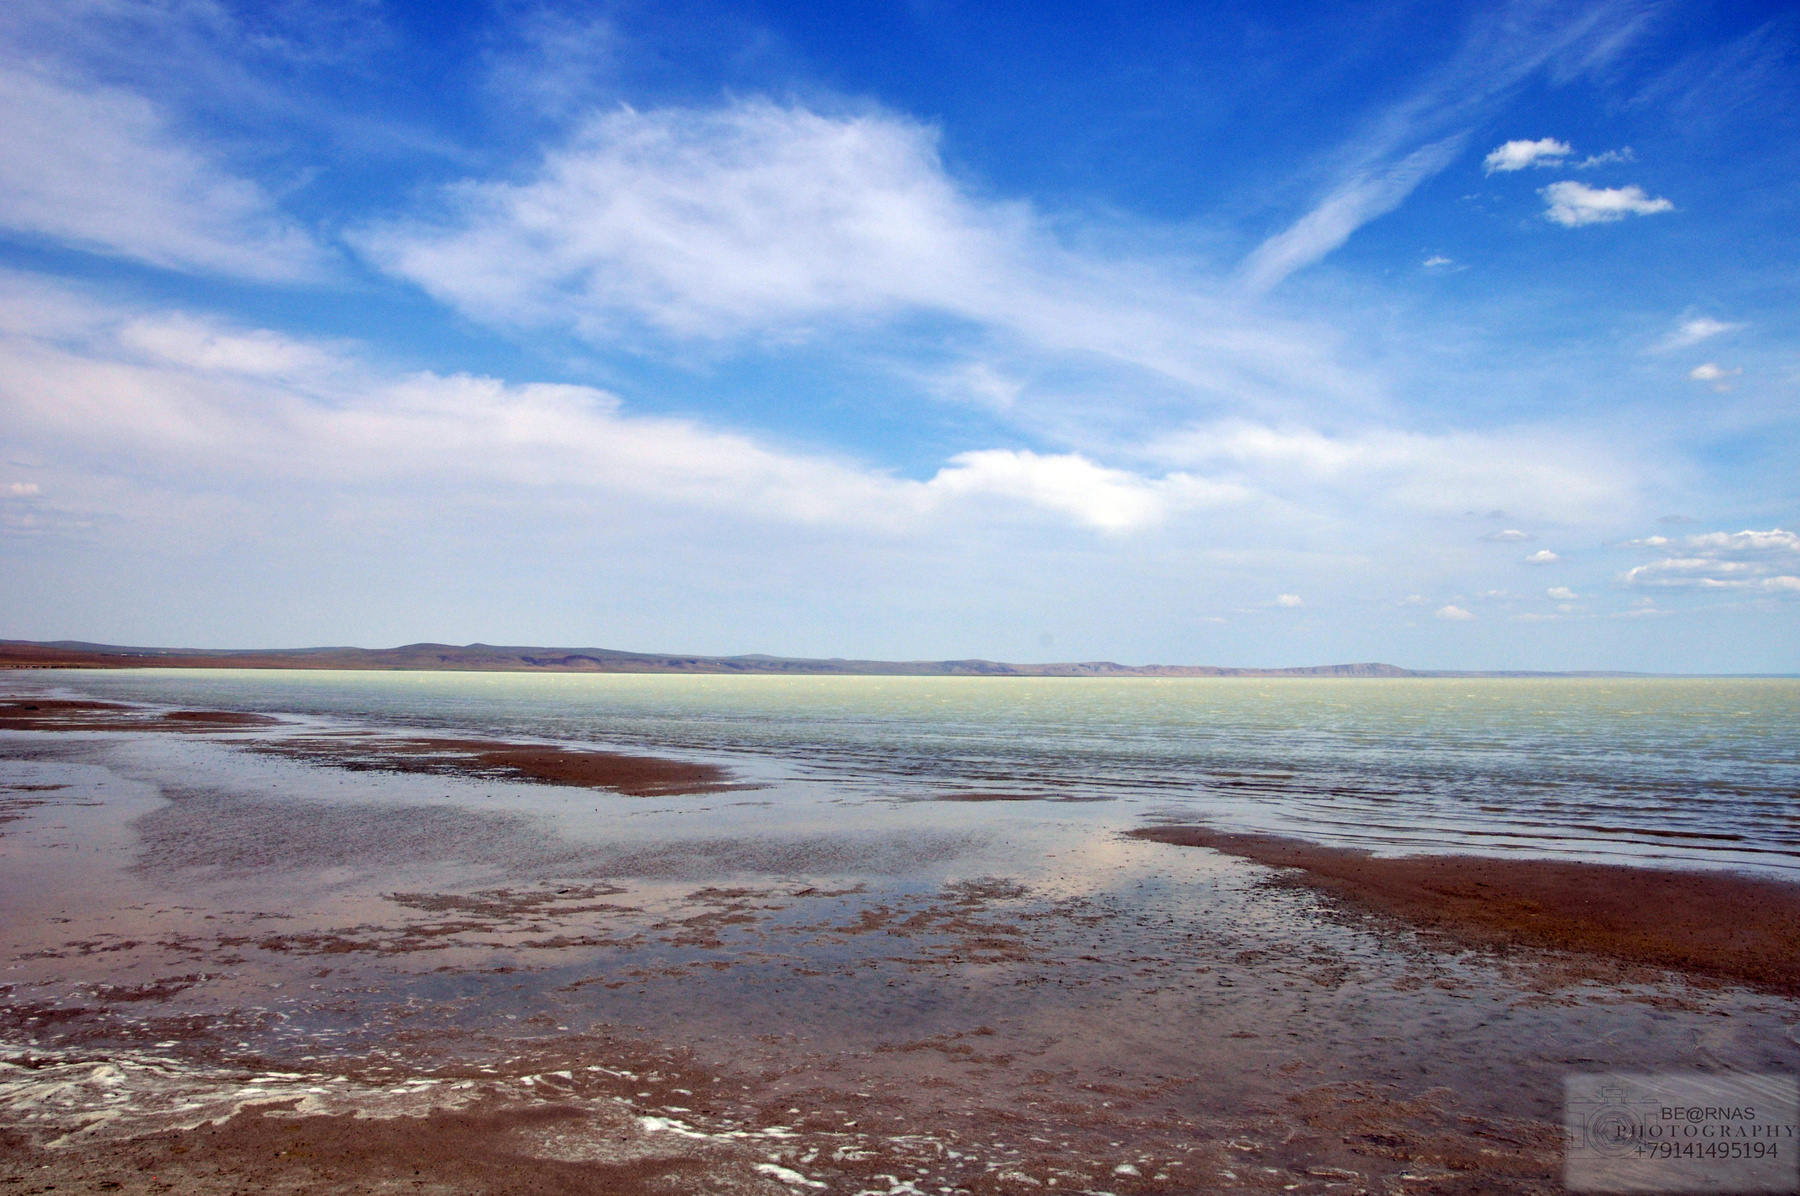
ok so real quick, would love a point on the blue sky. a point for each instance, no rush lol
(1449, 335)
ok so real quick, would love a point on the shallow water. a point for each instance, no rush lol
(974, 988)
(1675, 771)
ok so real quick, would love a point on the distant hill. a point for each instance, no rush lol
(72, 654)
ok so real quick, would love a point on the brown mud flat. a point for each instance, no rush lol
(546, 764)
(549, 764)
(1718, 926)
(63, 714)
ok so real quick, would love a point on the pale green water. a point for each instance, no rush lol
(1677, 771)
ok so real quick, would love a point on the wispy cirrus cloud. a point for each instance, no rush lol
(764, 222)
(1373, 192)
(1417, 138)
(101, 169)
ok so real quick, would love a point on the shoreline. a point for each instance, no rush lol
(1719, 926)
(351, 958)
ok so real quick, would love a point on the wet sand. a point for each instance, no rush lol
(1740, 929)
(267, 955)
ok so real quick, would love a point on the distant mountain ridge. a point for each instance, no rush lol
(66, 654)
(492, 658)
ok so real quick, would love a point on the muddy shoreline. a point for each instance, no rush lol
(638, 776)
(255, 953)
(1715, 926)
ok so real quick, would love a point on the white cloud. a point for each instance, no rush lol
(1693, 331)
(1562, 593)
(1542, 556)
(769, 221)
(182, 340)
(1715, 374)
(1744, 543)
(710, 222)
(1425, 132)
(1609, 158)
(1509, 536)
(1109, 499)
(1454, 614)
(1436, 260)
(977, 382)
(1748, 560)
(1289, 600)
(1573, 205)
(190, 395)
(1374, 192)
(22, 489)
(99, 169)
(1556, 472)
(1517, 155)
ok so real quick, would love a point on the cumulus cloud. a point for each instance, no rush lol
(1517, 155)
(1562, 593)
(1438, 260)
(1768, 562)
(1454, 614)
(22, 489)
(1573, 205)
(1542, 556)
(1289, 600)
(1510, 536)
(100, 169)
(1693, 331)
